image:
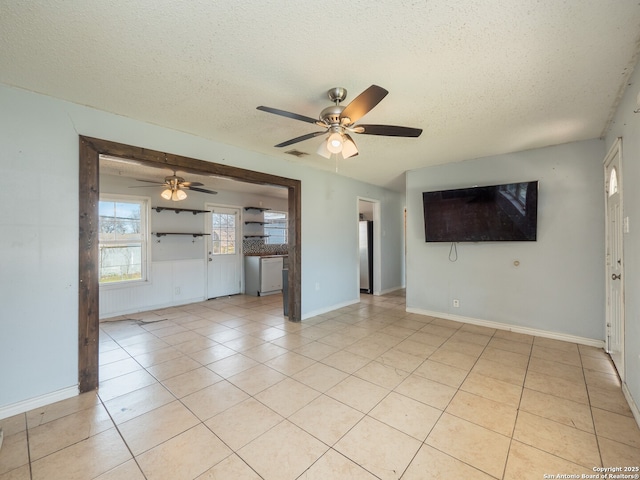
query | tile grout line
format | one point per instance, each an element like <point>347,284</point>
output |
<point>513,430</point>
<point>593,420</point>
<point>115,425</point>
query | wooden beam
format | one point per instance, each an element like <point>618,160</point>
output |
<point>295,254</point>
<point>88,314</point>
<point>88,287</point>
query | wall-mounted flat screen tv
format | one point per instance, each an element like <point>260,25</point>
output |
<point>496,213</point>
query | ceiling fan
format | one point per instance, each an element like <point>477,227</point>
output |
<point>340,122</point>
<point>175,187</point>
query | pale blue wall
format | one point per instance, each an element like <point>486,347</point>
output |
<point>559,283</point>
<point>39,241</point>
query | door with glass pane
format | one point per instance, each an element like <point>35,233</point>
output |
<point>614,260</point>
<point>224,261</point>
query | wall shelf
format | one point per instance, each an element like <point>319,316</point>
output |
<point>162,234</point>
<point>256,223</point>
<point>256,236</point>
<point>178,210</point>
<point>259,209</point>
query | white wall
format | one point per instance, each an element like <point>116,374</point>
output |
<point>626,124</point>
<point>39,241</point>
<point>559,283</point>
<point>178,268</point>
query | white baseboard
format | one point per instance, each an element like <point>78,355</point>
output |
<point>632,404</point>
<point>37,402</point>
<point>330,308</point>
<point>388,290</point>
<point>155,306</point>
<point>565,337</point>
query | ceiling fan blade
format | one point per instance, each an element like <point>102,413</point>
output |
<point>150,181</point>
<point>390,130</point>
<point>284,113</point>
<point>152,186</point>
<point>203,190</point>
<point>301,138</point>
<point>363,103</point>
<point>191,184</point>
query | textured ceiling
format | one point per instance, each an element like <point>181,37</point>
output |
<point>479,77</point>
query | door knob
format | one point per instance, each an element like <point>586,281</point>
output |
<point>615,277</point>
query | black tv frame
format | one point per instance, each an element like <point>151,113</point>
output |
<point>492,213</point>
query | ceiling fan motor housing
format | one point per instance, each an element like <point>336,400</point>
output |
<point>331,115</point>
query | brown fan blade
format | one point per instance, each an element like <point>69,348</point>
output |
<point>191,184</point>
<point>284,113</point>
<point>150,181</point>
<point>363,103</point>
<point>390,130</point>
<point>301,138</point>
<point>203,190</point>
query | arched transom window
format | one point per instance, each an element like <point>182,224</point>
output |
<point>613,182</point>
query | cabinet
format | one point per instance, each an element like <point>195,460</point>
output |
<point>262,275</point>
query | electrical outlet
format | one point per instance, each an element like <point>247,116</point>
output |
<point>456,303</point>
<point>177,290</point>
<point>317,286</point>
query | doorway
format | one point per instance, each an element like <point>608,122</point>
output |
<point>90,150</point>
<point>614,278</point>
<point>224,255</point>
<point>369,253</point>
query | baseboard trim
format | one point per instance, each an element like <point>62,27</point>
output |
<point>157,306</point>
<point>389,290</point>
<point>330,308</point>
<point>37,402</point>
<point>632,404</point>
<point>565,337</point>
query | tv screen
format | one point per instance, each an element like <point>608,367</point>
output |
<point>495,213</point>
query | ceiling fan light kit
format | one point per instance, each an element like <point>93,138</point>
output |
<point>334,142</point>
<point>176,195</point>
<point>166,194</point>
<point>340,121</point>
<point>349,148</point>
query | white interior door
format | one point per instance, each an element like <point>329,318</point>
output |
<point>224,272</point>
<point>614,260</point>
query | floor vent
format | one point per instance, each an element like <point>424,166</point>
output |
<point>297,153</point>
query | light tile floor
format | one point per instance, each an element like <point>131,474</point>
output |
<point>228,389</point>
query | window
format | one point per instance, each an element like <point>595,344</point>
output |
<point>613,182</point>
<point>276,227</point>
<point>223,233</point>
<point>122,240</point>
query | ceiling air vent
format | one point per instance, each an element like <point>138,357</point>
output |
<point>297,153</point>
